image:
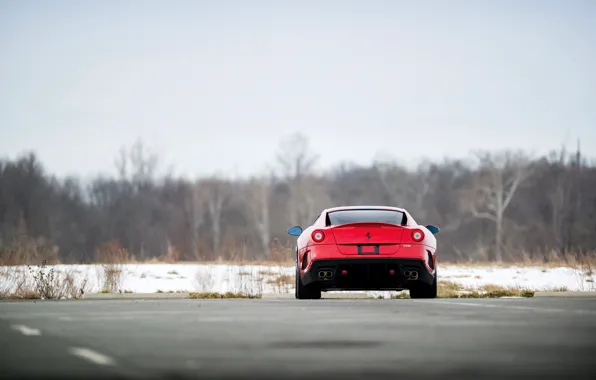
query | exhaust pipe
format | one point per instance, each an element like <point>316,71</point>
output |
<point>325,274</point>
<point>411,274</point>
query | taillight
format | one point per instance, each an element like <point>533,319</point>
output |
<point>417,235</point>
<point>318,236</point>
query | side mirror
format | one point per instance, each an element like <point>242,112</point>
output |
<point>295,231</point>
<point>433,229</point>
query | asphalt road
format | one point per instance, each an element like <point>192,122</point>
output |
<point>288,339</point>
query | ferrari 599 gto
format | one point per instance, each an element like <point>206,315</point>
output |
<point>365,248</point>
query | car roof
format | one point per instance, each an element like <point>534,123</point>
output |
<point>342,208</point>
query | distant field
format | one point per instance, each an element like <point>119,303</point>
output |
<point>270,278</point>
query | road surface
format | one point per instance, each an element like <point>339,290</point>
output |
<point>291,339</point>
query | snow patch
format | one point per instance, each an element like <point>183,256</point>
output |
<point>151,278</point>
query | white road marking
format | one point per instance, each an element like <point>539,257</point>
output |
<point>92,356</point>
<point>514,307</point>
<point>28,331</point>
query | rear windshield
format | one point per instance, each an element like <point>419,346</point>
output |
<point>336,218</point>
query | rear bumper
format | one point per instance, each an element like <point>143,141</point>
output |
<point>366,274</point>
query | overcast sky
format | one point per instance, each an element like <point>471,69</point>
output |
<point>215,85</point>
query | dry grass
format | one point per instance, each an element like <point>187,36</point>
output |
<point>204,280</point>
<point>172,291</point>
<point>399,295</point>
<point>112,252</point>
<point>171,255</point>
<point>43,282</point>
<point>14,284</point>
<point>247,280</point>
<point>226,295</point>
<point>496,291</point>
<point>28,251</point>
<point>448,289</point>
<point>110,274</point>
<point>230,255</point>
<point>282,283</point>
<point>266,263</point>
<point>51,285</point>
<point>547,259</point>
<point>263,263</point>
<point>585,276</point>
<point>281,280</point>
<point>283,256</point>
<point>280,254</point>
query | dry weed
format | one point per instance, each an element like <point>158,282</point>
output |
<point>43,283</point>
<point>233,252</point>
<point>204,281</point>
<point>448,289</point>
<point>243,283</point>
<point>267,272</point>
<point>280,254</point>
<point>584,272</point>
<point>226,295</point>
<point>110,274</point>
<point>111,277</point>
<point>112,252</point>
<point>281,282</point>
<point>399,295</point>
<point>171,255</point>
<point>550,258</point>
<point>13,281</point>
<point>25,250</point>
<point>246,280</point>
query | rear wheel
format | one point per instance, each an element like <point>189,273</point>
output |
<point>306,292</point>
<point>425,290</point>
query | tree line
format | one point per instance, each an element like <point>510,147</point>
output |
<point>503,206</point>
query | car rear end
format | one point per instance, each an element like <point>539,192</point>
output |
<point>368,249</point>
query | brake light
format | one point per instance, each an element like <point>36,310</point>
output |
<point>318,236</point>
<point>417,236</point>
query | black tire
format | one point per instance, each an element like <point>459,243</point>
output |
<point>424,290</point>
<point>306,292</point>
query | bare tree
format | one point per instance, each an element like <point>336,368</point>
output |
<point>559,195</point>
<point>137,164</point>
<point>499,177</point>
<point>194,214</point>
<point>257,200</point>
<point>484,208</point>
<point>419,186</point>
<point>217,192</point>
<point>297,162</point>
<point>394,182</point>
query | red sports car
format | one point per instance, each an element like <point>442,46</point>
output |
<point>365,248</point>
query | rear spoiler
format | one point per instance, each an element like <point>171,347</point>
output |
<point>404,221</point>
<point>367,224</point>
